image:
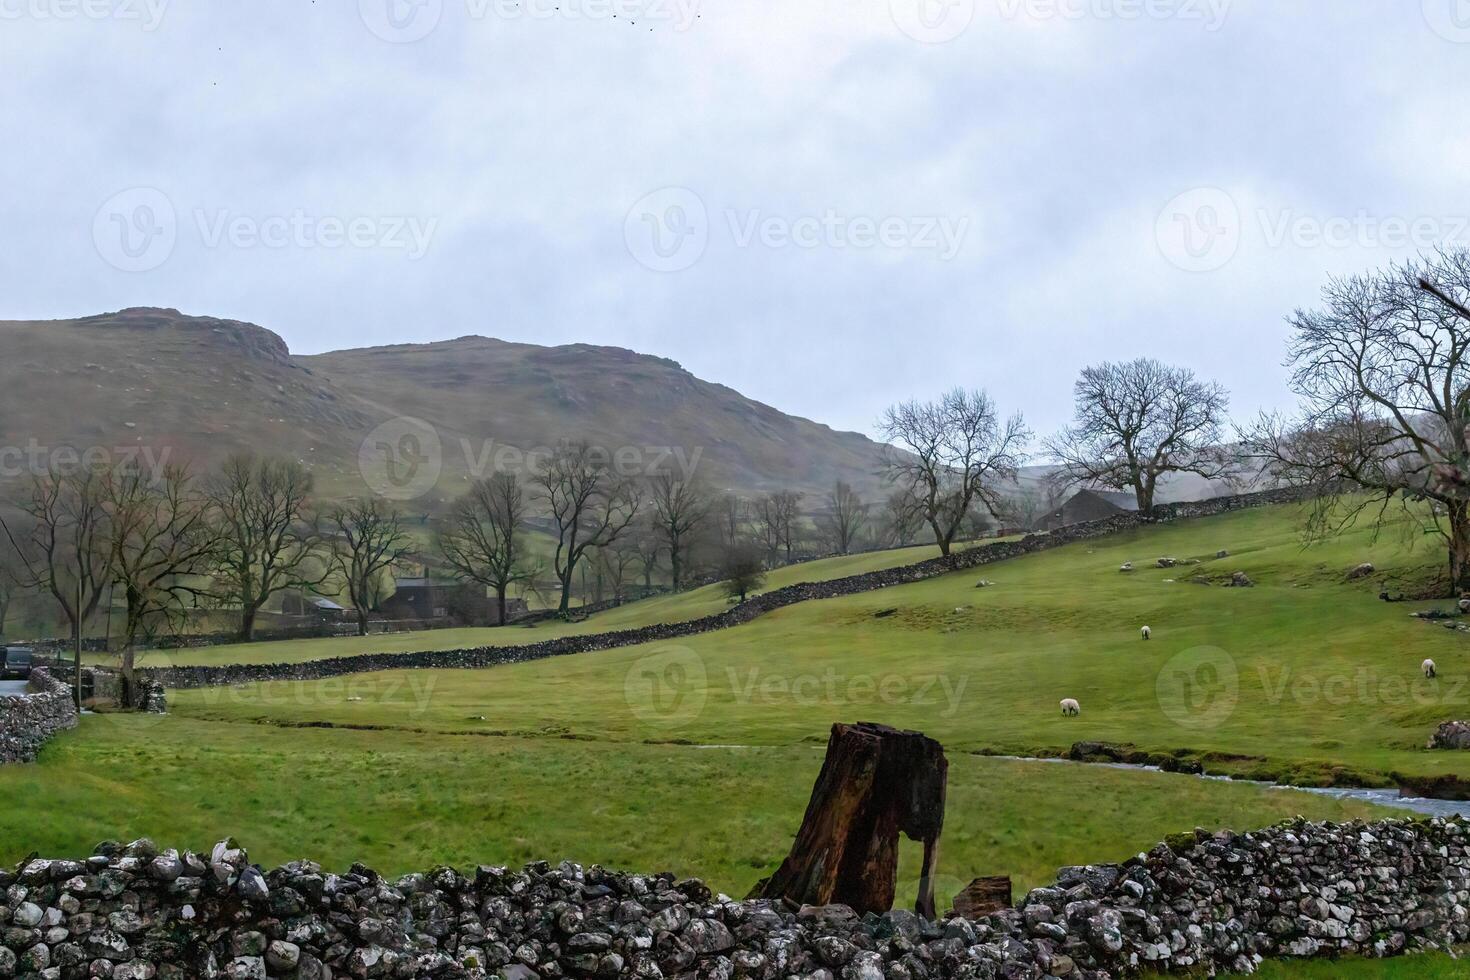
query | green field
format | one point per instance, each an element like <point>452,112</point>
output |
<point>1429,967</point>
<point>698,756</point>
<point>408,801</point>
<point>1304,676</point>
<point>679,607</point>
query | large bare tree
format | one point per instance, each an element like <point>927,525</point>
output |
<point>483,538</point>
<point>845,519</point>
<point>951,455</point>
<point>368,540</point>
<point>160,542</point>
<point>1137,421</point>
<point>60,541</point>
<point>267,542</point>
<point>1382,372</point>
<point>679,507</point>
<point>591,505</point>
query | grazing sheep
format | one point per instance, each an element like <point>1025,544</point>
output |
<point>1070,707</point>
<point>1429,669</point>
<point>1147,633</point>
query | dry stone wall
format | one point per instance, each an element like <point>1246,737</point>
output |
<point>1200,903</point>
<point>27,722</point>
<point>208,676</point>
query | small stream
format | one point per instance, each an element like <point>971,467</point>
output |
<point>1383,797</point>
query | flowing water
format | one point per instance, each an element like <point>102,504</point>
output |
<point>1383,797</point>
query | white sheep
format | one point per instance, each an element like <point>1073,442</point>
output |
<point>1070,707</point>
<point>1429,669</point>
<point>1147,633</point>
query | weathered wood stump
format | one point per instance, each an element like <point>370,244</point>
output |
<point>875,783</point>
<point>983,896</point>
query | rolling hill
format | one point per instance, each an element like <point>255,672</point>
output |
<point>202,387</point>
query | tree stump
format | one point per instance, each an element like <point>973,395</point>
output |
<point>875,783</point>
<point>983,896</point>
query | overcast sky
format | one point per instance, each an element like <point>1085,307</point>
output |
<point>829,205</point>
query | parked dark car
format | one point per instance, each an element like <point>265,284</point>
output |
<point>17,663</point>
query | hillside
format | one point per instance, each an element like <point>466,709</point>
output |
<point>203,387</point>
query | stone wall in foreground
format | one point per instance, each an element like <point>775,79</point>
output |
<point>27,722</point>
<point>985,554</point>
<point>1201,903</point>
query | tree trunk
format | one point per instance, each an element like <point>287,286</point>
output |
<point>1143,492</point>
<point>674,569</point>
<point>984,896</point>
<point>247,622</point>
<point>362,622</point>
<point>1459,546</point>
<point>875,783</point>
<point>566,593</point>
<point>940,538</point>
<point>500,602</point>
<point>129,658</point>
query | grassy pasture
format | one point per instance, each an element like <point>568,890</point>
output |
<point>408,801</point>
<point>699,756</point>
<point>683,606</point>
<point>1305,676</point>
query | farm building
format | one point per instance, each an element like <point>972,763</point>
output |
<point>1089,505</point>
<point>431,599</point>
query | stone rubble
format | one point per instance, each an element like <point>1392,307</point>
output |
<point>1201,902</point>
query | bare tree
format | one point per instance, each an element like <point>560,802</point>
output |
<point>778,519</point>
<point>590,505</point>
<point>680,506</point>
<point>1029,506</point>
<point>266,543</point>
<point>732,515</point>
<point>649,544</point>
<point>901,521</point>
<point>160,542</point>
<point>845,519</point>
<point>60,545</point>
<point>1382,371</point>
<point>1139,420</point>
<point>368,541</point>
<point>484,540</point>
<point>951,455</point>
<point>741,570</point>
<point>615,564</point>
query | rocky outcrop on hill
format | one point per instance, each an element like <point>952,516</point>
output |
<point>986,554</point>
<point>1200,902</point>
